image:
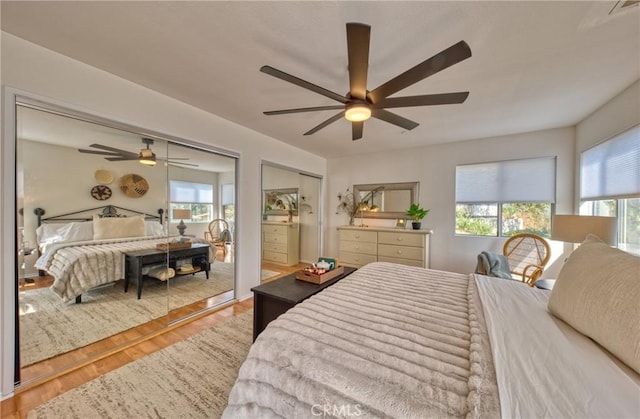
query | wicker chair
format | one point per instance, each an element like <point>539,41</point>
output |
<point>527,254</point>
<point>214,234</point>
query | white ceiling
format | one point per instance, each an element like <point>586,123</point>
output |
<point>535,64</point>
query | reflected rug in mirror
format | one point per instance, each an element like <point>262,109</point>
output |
<point>49,327</point>
<point>190,379</point>
<point>266,274</point>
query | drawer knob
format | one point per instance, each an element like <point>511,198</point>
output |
<point>399,239</point>
<point>357,236</point>
<point>399,252</point>
<point>357,247</point>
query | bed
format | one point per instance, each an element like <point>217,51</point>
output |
<point>399,341</point>
<point>85,249</point>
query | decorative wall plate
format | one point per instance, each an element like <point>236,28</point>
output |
<point>101,192</point>
<point>133,186</point>
<point>103,177</point>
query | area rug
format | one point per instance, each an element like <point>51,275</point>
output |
<point>266,274</point>
<point>49,327</point>
<point>190,379</point>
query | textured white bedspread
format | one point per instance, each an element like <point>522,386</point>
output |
<point>547,369</point>
<point>80,266</point>
<point>387,341</point>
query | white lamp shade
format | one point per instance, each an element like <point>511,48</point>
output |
<point>181,214</point>
<point>575,228</point>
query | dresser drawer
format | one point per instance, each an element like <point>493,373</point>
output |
<point>358,247</point>
<point>275,238</point>
<point>274,257</point>
<point>361,236</point>
<point>356,259</point>
<point>404,252</point>
<point>274,229</point>
<point>402,239</point>
<point>275,247</point>
<point>409,262</point>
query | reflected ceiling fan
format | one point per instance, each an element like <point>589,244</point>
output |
<point>145,156</point>
<point>360,104</point>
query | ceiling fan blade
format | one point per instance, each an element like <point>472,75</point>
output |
<point>298,110</point>
<point>358,37</point>
<point>121,158</point>
<point>101,153</point>
<point>424,100</point>
<point>356,130</point>
<point>104,147</point>
<point>331,120</point>
<point>179,164</point>
<point>394,119</point>
<point>302,83</point>
<point>444,59</point>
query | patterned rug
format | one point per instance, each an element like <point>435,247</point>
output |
<point>190,379</point>
<point>49,327</point>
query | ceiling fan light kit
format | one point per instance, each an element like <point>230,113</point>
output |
<point>360,104</point>
<point>147,156</point>
<point>357,112</point>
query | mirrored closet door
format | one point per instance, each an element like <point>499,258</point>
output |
<point>97,225</point>
<point>291,222</point>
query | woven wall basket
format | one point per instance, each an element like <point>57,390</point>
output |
<point>133,186</point>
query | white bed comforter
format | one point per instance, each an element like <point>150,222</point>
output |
<point>387,341</point>
<point>396,341</point>
<point>80,266</point>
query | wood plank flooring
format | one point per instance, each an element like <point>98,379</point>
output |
<point>30,397</point>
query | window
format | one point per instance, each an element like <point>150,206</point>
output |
<point>610,185</point>
<point>197,197</point>
<point>228,202</point>
<point>505,198</point>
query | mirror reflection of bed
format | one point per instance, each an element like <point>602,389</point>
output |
<point>55,333</point>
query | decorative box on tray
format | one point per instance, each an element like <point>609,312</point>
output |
<point>173,245</point>
<point>319,278</point>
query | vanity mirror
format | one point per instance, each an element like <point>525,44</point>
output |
<point>386,200</point>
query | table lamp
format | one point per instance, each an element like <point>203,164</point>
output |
<point>181,214</point>
<point>575,228</point>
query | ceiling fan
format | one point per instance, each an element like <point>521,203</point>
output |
<point>359,104</point>
<point>145,156</point>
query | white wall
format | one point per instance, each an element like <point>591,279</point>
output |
<point>619,114</point>
<point>434,167</point>
<point>50,76</point>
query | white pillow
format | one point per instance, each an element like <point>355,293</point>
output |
<point>64,233</point>
<point>598,293</point>
<point>154,228</point>
<point>115,228</point>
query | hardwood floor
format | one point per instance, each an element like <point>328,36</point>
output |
<point>78,372</point>
<point>26,399</point>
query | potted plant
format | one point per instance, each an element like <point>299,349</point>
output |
<point>417,213</point>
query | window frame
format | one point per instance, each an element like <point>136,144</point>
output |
<point>500,219</point>
<point>189,205</point>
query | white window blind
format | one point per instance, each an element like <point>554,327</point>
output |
<point>201,193</point>
<point>527,180</point>
<point>611,170</point>
<point>228,194</point>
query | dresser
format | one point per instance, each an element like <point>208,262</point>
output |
<point>280,243</point>
<point>359,246</point>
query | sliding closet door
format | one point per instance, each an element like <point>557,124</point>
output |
<point>201,211</point>
<point>70,168</point>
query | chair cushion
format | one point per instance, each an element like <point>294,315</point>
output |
<point>598,292</point>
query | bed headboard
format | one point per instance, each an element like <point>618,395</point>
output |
<point>107,211</point>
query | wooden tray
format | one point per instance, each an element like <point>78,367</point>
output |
<point>319,279</point>
<point>173,246</point>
